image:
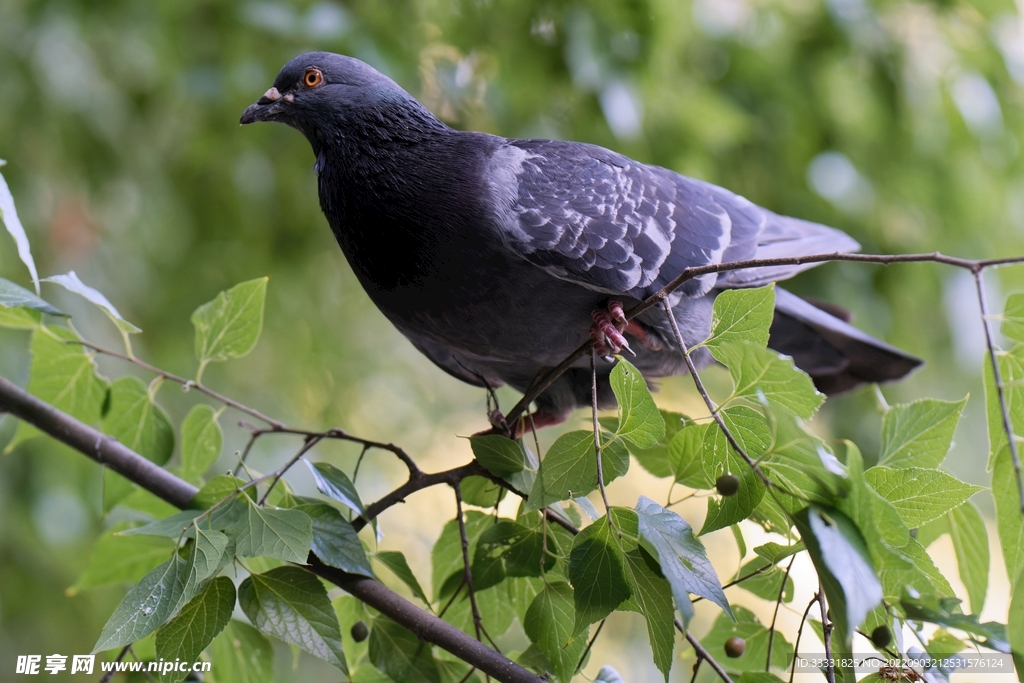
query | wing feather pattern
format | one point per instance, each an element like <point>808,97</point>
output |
<point>599,219</point>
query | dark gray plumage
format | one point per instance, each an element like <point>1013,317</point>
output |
<point>490,254</point>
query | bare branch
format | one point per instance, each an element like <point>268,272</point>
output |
<point>701,652</point>
<point>597,437</point>
<point>775,615</point>
<point>1004,409</point>
<point>826,628</point>
<point>306,446</point>
<point>799,632</point>
<point>187,384</point>
<point>546,378</point>
<point>467,568</point>
<point>179,493</point>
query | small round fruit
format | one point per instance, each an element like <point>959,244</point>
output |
<point>727,484</point>
<point>881,637</point>
<point>360,631</point>
<point>734,647</point>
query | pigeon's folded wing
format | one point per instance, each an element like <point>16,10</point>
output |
<point>609,223</point>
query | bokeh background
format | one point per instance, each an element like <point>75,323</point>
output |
<point>899,122</point>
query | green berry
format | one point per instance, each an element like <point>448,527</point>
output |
<point>881,637</point>
<point>734,647</point>
<point>360,631</point>
<point>727,484</point>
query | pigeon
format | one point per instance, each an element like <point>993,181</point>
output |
<point>497,257</point>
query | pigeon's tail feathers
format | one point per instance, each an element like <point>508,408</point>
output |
<point>836,355</point>
<point>785,237</point>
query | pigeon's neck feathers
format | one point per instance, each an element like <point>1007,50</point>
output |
<point>381,118</point>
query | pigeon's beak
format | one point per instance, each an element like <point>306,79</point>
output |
<point>266,108</point>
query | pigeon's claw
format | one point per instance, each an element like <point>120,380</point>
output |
<point>608,339</point>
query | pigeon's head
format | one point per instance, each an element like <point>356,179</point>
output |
<point>321,93</point>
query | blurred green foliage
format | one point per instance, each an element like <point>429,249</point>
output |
<point>896,121</point>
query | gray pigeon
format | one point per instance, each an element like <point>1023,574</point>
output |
<point>497,257</point>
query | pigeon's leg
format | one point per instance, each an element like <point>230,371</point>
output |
<point>646,338</point>
<point>608,338</point>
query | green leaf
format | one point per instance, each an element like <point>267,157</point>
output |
<point>802,465</point>
<point>13,296</point>
<point>201,441</point>
<point>569,469</point>
<point>446,556</point>
<point>549,624</point>
<point>482,492</point>
<point>508,548</point>
<point>685,456</point>
<point>765,580</point>
<point>749,628</point>
<point>71,283</point>
<point>919,494</point>
<point>945,611</point>
<point>919,434</point>
<point>764,377</point>
<point>335,541</point>
<point>120,559</point>
<point>219,488</point>
<point>1013,318</point>
<point>9,215</point>
<point>20,318</point>
<point>1015,626</point>
<point>640,422</point>
<point>750,429</point>
<point>243,655</point>
<point>292,604</point>
<point>657,459</point>
<point>282,534</point>
<point>210,552</point>
<point>400,654</point>
<point>230,325</point>
<point>335,484</point>
<point>146,606</point>
<point>63,375</point>
<point>137,422</point>
<point>500,456</point>
<point>596,571</point>
<point>845,570</point>
<point>495,607</point>
<point>396,562</point>
<point>682,558</point>
<point>741,315</point>
<point>350,611</point>
<point>186,636</point>
<point>969,534</point>
<point>176,526</point>
<point>1004,478</point>
<point>652,598</point>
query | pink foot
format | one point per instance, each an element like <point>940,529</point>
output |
<point>607,328</point>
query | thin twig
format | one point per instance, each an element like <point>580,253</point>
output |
<point>545,379</point>
<point>590,644</point>
<point>597,438</point>
<point>308,444</point>
<point>775,616</point>
<point>799,632</point>
<point>186,383</point>
<point>467,569</point>
<point>1000,389</point>
<point>826,630</point>
<point>715,413</point>
<point>701,652</point>
<point>120,655</point>
<point>696,668</point>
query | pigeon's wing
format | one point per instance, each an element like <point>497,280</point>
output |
<point>606,222</point>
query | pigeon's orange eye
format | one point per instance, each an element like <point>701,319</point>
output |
<point>313,78</point>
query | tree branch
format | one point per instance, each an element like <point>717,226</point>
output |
<point>545,379</point>
<point>161,483</point>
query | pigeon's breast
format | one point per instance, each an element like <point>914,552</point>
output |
<point>420,234</point>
